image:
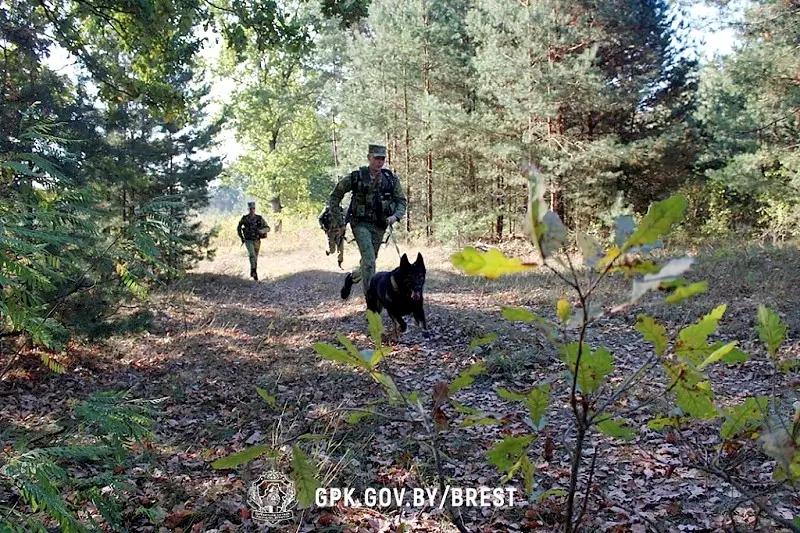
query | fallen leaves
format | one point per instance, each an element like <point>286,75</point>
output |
<point>246,367</point>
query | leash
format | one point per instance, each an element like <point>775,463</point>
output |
<point>391,236</point>
<point>386,242</point>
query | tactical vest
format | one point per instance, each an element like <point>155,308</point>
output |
<point>250,227</point>
<point>371,206</point>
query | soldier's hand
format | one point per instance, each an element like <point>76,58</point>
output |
<point>340,231</point>
<point>391,220</point>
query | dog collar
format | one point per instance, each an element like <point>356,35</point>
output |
<point>395,286</point>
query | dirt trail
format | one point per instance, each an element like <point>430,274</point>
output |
<point>220,335</point>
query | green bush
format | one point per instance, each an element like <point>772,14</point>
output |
<point>62,249</point>
<point>757,429</point>
<point>80,463</point>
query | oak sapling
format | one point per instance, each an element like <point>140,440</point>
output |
<point>684,357</point>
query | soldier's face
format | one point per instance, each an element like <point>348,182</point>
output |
<point>376,162</point>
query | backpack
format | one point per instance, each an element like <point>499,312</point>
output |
<point>382,202</point>
<point>326,221</point>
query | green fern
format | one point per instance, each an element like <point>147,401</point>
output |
<point>38,479</point>
<point>14,521</point>
<point>106,423</point>
<point>51,236</point>
<point>78,453</point>
<point>107,503</point>
<point>52,364</point>
<point>55,232</point>
<point>117,419</point>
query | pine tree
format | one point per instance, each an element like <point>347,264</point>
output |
<point>749,114</point>
<point>562,85</point>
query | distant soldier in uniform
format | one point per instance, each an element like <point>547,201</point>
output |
<point>377,202</point>
<point>251,229</point>
<point>335,238</point>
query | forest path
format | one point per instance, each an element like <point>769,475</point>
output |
<point>218,335</point>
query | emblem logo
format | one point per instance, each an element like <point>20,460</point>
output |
<point>272,495</point>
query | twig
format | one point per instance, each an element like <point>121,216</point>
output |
<point>458,521</point>
<point>751,497</point>
<point>380,415</point>
<point>561,276</point>
<point>220,8</point>
<point>603,274</point>
<point>791,114</point>
<point>642,405</point>
<point>640,372</point>
<point>73,44</point>
<point>11,510</point>
<point>733,520</point>
<point>433,435</point>
<point>573,481</point>
<point>267,336</point>
<point>581,418</point>
<point>588,488</point>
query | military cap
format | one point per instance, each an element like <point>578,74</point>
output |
<point>377,150</point>
<point>251,205</point>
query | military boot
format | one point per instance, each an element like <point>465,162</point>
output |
<point>348,286</point>
<point>254,274</point>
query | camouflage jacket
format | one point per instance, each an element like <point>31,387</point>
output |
<point>248,227</point>
<point>372,200</point>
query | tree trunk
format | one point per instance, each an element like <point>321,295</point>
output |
<point>429,187</point>
<point>472,180</point>
<point>410,206</point>
<point>428,138</point>
<point>171,255</point>
<point>335,142</point>
<point>394,149</point>
<point>557,196</point>
<point>500,203</point>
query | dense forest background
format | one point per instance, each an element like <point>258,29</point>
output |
<point>612,100</point>
<point>127,127</point>
<point>109,149</point>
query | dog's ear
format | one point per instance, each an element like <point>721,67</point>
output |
<point>404,261</point>
<point>419,262</point>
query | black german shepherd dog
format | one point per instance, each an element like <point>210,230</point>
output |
<point>399,292</point>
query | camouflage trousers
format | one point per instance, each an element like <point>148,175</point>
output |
<point>253,248</point>
<point>369,238</point>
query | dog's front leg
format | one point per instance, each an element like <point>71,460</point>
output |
<point>398,320</point>
<point>393,336</point>
<point>419,317</point>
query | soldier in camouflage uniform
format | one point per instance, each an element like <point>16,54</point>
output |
<point>377,202</point>
<point>251,229</point>
<point>331,228</point>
